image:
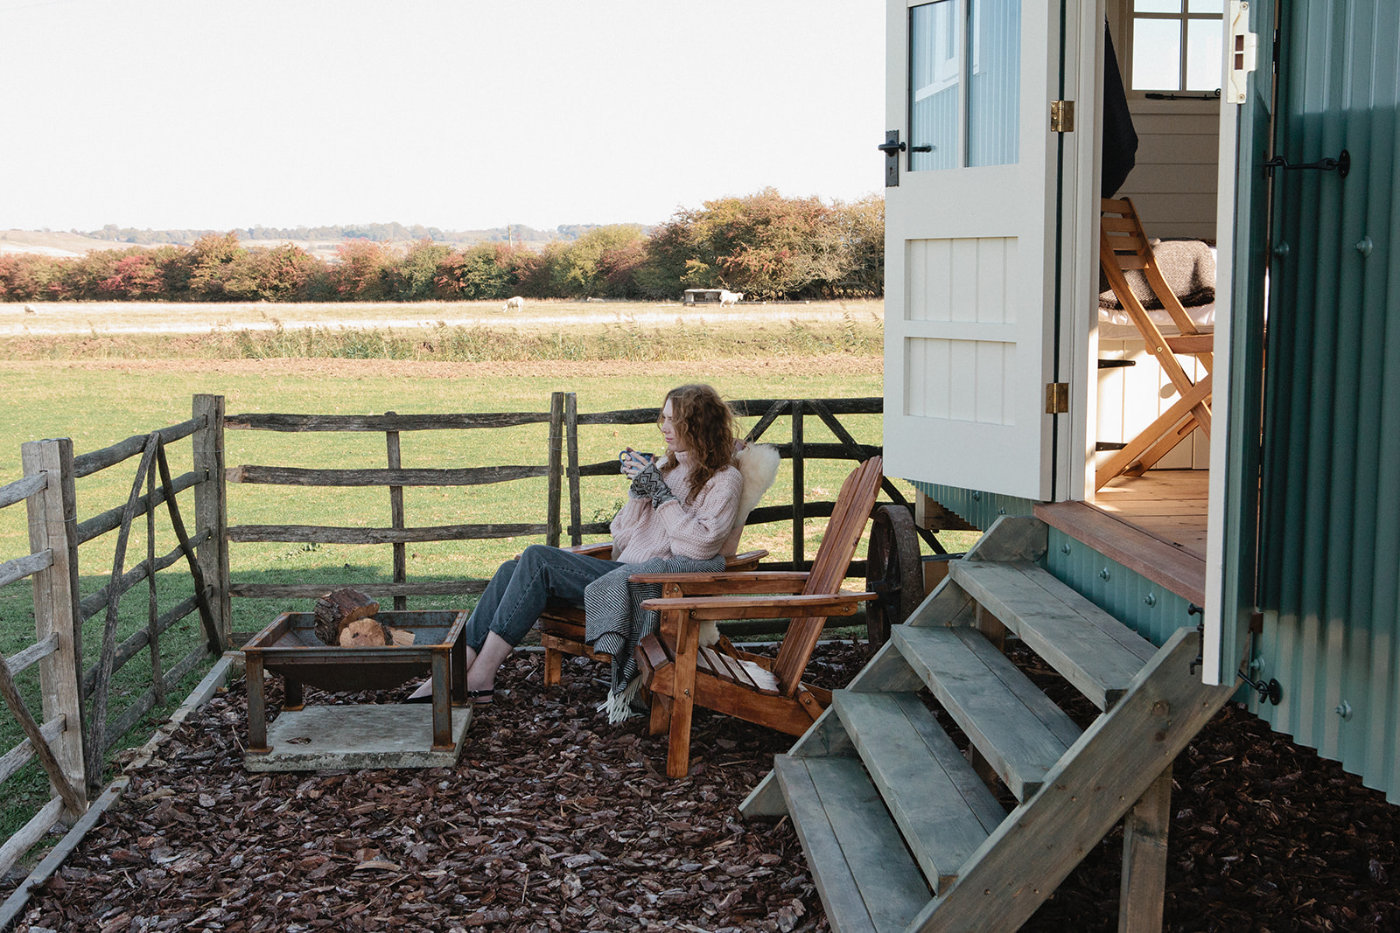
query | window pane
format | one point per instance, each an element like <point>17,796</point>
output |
<point>935,67</point>
<point>1204,62</point>
<point>1207,6</point>
<point>1157,55</point>
<point>1157,6</point>
<point>993,84</point>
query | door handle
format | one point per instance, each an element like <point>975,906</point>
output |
<point>892,147</point>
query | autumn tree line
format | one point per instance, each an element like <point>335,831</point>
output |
<point>764,245</point>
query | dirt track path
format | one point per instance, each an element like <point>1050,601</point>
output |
<point>36,319</point>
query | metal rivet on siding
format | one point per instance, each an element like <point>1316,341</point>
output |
<point>1344,709</point>
<point>1364,246</point>
<point>1281,249</point>
<point>1256,665</point>
<point>976,497</point>
<point>1001,511</point>
<point>1150,599</point>
<point>1103,574</point>
<point>1064,548</point>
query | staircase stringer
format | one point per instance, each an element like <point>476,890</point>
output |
<point>1099,779</point>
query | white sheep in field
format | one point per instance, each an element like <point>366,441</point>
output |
<point>515,304</point>
<point>726,297</point>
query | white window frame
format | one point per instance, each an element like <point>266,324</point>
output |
<point>1130,16</point>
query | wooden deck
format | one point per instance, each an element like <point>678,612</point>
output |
<point>1153,524</point>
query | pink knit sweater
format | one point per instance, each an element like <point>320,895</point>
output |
<point>678,528</point>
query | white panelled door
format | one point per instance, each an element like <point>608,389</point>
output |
<point>970,243</point>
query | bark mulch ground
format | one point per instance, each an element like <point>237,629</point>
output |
<point>554,820</point>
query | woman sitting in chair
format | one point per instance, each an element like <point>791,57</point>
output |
<point>679,511</point>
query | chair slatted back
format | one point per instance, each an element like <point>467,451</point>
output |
<point>1124,246</point>
<point>843,532</point>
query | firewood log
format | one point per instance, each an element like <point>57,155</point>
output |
<point>398,636</point>
<point>365,633</point>
<point>337,609</point>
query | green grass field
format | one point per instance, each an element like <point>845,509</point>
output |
<point>97,402</point>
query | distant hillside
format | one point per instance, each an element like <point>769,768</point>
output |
<point>316,240</point>
<point>52,243</point>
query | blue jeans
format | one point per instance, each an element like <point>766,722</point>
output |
<point>519,590</point>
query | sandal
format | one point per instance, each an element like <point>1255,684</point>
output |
<point>481,697</point>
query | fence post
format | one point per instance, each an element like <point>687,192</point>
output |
<point>556,467</point>
<point>799,483</point>
<point>396,514</point>
<point>53,520</point>
<point>575,500</point>
<point>211,510</point>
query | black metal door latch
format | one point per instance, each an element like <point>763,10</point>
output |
<point>1341,165</point>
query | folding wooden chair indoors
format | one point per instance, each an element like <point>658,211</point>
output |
<point>1123,246</point>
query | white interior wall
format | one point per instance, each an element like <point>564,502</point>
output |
<point>1132,397</point>
<point>1174,181</point>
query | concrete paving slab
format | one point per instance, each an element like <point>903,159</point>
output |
<point>328,738</point>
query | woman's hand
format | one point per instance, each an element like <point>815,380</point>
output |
<point>650,484</point>
<point>633,462</point>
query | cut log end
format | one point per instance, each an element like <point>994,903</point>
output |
<point>337,609</point>
<point>365,633</point>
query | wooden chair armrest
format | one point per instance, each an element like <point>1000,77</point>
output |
<point>602,550</point>
<point>721,582</point>
<point>718,608</point>
<point>746,560</point>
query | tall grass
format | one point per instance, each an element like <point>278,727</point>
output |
<point>453,343</point>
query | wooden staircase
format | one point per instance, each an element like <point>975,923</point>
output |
<point>903,831</point>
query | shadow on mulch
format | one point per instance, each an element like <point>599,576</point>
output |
<point>554,820</point>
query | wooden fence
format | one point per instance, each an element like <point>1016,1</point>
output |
<point>558,462</point>
<point>394,478</point>
<point>75,730</point>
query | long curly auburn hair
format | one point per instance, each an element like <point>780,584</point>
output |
<point>705,425</point>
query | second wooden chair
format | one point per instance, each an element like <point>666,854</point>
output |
<point>681,673</point>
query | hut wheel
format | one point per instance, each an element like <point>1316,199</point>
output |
<point>894,571</point>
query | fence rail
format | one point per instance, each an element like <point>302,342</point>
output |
<point>395,478</point>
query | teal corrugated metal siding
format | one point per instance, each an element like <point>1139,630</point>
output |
<point>1330,548</point>
<point>1144,606</point>
<point>975,507</point>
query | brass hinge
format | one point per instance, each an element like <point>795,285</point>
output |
<point>1056,398</point>
<point>1062,116</point>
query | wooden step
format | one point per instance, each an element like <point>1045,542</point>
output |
<point>940,804</point>
<point>1090,648</point>
<point>865,877</point>
<point>1017,729</point>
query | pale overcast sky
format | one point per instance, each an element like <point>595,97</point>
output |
<point>458,114</point>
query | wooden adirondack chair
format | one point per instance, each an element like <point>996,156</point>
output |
<point>562,625</point>
<point>1123,245</point>
<point>768,691</point>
